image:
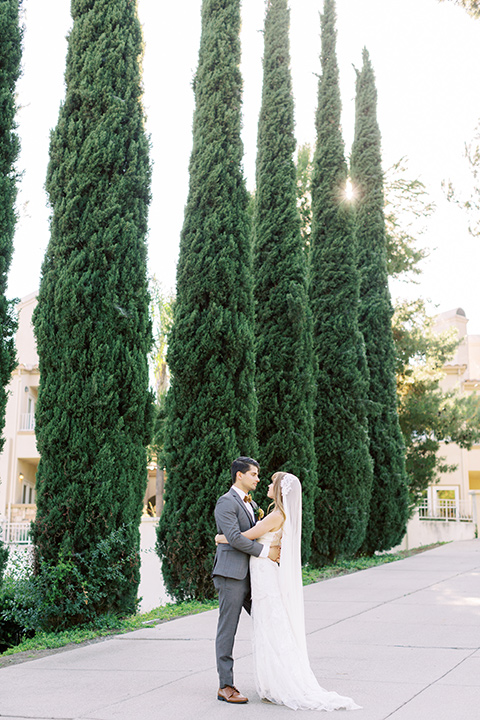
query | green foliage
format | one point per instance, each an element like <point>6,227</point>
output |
<point>406,208</point>
<point>73,591</point>
<point>304,199</point>
<point>161,310</point>
<point>12,633</point>
<point>471,6</point>
<point>389,500</point>
<point>4,553</point>
<point>211,402</point>
<point>92,323</point>
<point>78,588</point>
<point>428,415</point>
<point>471,204</point>
<point>17,575</point>
<point>108,625</point>
<point>9,631</point>
<point>284,372</point>
<point>345,567</point>
<point>341,440</point>
<point>10,57</point>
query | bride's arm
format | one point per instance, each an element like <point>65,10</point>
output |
<point>273,521</point>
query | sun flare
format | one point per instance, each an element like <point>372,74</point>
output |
<point>349,190</point>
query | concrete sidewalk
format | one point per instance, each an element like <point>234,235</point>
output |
<point>402,639</point>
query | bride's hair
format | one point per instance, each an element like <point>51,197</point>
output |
<point>277,503</point>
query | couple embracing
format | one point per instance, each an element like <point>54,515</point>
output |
<point>258,567</point>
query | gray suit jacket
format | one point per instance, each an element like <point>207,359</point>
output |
<point>233,518</point>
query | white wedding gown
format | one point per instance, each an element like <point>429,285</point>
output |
<point>281,666</point>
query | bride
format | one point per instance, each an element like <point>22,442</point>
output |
<point>281,666</point>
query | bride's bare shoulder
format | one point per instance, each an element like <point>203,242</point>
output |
<point>279,519</point>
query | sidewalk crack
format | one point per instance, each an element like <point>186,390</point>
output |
<point>427,687</point>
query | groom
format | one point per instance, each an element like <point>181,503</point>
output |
<point>234,514</point>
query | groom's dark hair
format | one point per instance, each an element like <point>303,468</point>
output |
<point>242,464</point>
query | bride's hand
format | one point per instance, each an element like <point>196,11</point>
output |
<point>274,553</point>
<point>220,539</point>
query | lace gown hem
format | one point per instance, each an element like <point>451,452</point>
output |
<point>281,667</point>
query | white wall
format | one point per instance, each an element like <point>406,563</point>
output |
<point>427,532</point>
<point>151,589</point>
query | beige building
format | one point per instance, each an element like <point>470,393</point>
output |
<point>451,510</point>
<point>463,374</point>
<point>19,459</point>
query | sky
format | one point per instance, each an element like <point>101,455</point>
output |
<point>426,58</point>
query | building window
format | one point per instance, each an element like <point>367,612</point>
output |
<point>28,418</point>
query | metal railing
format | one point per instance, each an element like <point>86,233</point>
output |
<point>27,421</point>
<point>458,510</point>
<point>15,533</point>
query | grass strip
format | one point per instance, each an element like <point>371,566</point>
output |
<point>345,567</point>
<point>112,625</point>
<point>109,625</point>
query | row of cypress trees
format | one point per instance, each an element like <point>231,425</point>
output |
<point>265,347</point>
<point>324,372</point>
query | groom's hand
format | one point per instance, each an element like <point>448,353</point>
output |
<point>274,553</point>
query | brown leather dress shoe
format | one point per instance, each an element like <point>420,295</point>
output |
<point>230,694</point>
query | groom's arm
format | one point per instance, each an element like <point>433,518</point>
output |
<point>227,523</point>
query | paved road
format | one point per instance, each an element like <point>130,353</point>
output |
<point>402,639</point>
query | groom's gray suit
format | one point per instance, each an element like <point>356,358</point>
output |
<point>231,576</point>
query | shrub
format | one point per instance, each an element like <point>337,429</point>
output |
<point>74,591</point>
<point>3,560</point>
<point>16,568</point>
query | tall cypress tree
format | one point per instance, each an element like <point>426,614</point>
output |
<point>389,501</point>
<point>92,321</point>
<point>211,402</point>
<point>10,56</point>
<point>341,438</point>
<point>284,372</point>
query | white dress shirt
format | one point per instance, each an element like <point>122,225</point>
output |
<point>242,494</point>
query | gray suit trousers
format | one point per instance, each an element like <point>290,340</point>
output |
<point>233,594</point>
<point>231,576</point>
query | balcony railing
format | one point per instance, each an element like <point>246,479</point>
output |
<point>456,510</point>
<point>15,533</point>
<point>27,421</point>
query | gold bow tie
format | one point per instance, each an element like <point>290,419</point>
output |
<point>247,498</point>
